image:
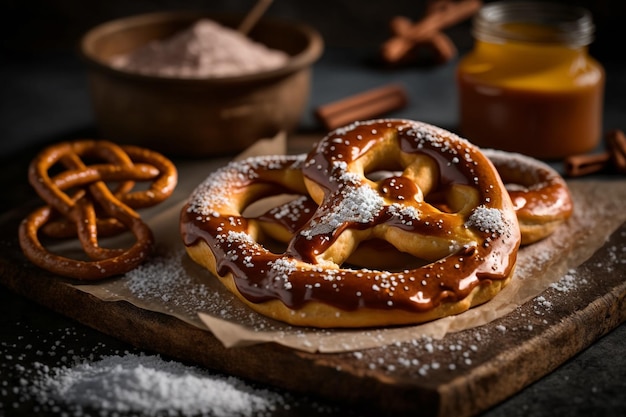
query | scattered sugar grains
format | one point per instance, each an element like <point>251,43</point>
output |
<point>151,386</point>
<point>424,355</point>
<point>163,278</point>
<point>568,282</point>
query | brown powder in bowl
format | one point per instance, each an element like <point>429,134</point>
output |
<point>205,50</point>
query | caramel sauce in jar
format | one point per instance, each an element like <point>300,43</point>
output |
<point>530,85</point>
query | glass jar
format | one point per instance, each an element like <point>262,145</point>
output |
<point>529,85</point>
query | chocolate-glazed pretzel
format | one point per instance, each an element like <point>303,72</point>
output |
<point>93,209</point>
<point>446,205</point>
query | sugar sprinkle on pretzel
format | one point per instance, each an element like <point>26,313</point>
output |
<point>540,195</point>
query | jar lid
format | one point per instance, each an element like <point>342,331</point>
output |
<point>550,23</point>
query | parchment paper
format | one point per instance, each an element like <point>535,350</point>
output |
<point>171,283</point>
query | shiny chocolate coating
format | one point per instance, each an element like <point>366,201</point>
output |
<point>480,242</point>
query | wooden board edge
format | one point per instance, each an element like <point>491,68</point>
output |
<point>494,381</point>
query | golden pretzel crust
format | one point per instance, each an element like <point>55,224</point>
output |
<point>540,195</point>
<point>443,203</point>
<point>93,209</point>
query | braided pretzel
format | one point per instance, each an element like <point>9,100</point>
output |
<point>94,209</point>
<point>540,195</point>
<point>448,208</point>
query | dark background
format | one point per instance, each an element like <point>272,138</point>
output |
<point>43,88</point>
<point>44,25</point>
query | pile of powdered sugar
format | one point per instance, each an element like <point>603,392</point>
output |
<point>205,50</point>
<point>151,386</point>
<point>66,372</point>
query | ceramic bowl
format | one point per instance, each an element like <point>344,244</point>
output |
<point>197,116</point>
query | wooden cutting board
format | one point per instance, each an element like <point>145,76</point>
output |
<point>461,375</point>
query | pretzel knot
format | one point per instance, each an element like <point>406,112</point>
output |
<point>419,189</point>
<point>92,209</point>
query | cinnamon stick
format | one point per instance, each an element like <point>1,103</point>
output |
<point>586,164</point>
<point>443,47</point>
<point>614,159</point>
<point>439,15</point>
<point>399,48</point>
<point>442,14</point>
<point>366,105</point>
<point>616,142</point>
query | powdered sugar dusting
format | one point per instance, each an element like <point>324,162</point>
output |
<point>408,214</point>
<point>487,220</point>
<point>163,278</point>
<point>359,204</point>
<point>215,190</point>
<point>169,282</point>
<point>568,282</point>
<point>282,267</point>
<point>293,210</point>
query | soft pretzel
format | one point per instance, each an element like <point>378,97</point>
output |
<point>93,210</point>
<point>447,207</point>
<point>540,195</point>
